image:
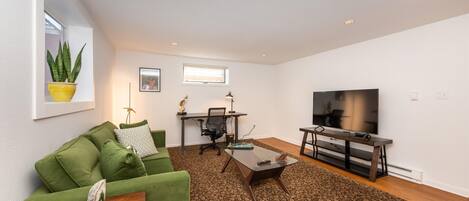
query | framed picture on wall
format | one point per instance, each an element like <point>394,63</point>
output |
<point>149,79</point>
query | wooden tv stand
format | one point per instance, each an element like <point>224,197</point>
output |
<point>344,154</point>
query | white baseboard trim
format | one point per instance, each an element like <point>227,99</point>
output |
<point>293,141</point>
<point>449,188</point>
<point>442,186</point>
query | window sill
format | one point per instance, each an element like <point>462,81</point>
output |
<point>53,109</point>
<point>205,84</point>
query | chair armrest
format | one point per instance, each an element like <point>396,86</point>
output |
<point>159,138</point>
<point>162,187</point>
<point>201,124</point>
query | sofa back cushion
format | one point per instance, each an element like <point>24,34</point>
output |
<point>100,134</point>
<point>138,124</point>
<point>108,125</point>
<point>51,172</point>
<point>80,161</point>
<point>119,163</point>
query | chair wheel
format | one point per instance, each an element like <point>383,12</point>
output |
<point>200,152</point>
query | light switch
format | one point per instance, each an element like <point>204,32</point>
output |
<point>442,95</point>
<point>414,96</point>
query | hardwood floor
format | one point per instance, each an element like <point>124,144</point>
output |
<point>393,185</point>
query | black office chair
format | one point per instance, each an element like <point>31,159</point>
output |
<point>215,127</point>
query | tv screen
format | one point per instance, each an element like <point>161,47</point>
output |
<point>351,110</point>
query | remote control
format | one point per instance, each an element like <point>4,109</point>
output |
<point>264,162</point>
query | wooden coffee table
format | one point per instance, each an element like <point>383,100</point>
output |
<point>138,196</point>
<point>246,161</point>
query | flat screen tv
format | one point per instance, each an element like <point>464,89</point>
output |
<point>350,110</point>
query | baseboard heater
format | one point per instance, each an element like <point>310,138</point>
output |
<point>405,173</point>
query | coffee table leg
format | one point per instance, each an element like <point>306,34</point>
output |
<point>247,176</point>
<point>280,183</point>
<point>248,186</point>
<point>226,164</point>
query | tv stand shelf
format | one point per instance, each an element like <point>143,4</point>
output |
<point>344,155</point>
<point>357,153</point>
<point>355,167</point>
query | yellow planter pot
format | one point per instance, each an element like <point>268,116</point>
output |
<point>61,91</point>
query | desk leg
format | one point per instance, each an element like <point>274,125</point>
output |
<point>182,133</point>
<point>374,163</point>
<point>236,129</point>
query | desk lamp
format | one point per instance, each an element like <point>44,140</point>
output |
<point>229,96</point>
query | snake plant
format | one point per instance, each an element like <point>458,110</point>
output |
<point>61,68</point>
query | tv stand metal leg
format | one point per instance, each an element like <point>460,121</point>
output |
<point>303,143</point>
<point>347,154</point>
<point>381,157</point>
<point>374,163</point>
<point>315,146</point>
<point>385,160</point>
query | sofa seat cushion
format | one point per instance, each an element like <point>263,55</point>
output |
<point>158,163</point>
<point>100,134</point>
<point>81,162</point>
<point>51,172</point>
<point>119,163</point>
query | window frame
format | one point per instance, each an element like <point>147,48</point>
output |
<point>56,21</point>
<point>225,74</point>
<point>76,34</point>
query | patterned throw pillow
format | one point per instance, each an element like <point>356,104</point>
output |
<point>139,138</point>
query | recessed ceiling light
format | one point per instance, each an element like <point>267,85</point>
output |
<point>349,21</point>
<point>174,44</point>
<point>264,55</point>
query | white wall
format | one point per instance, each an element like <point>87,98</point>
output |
<point>22,140</point>
<point>251,84</point>
<point>430,134</point>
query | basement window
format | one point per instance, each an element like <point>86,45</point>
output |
<point>53,25</point>
<point>54,35</point>
<point>205,74</point>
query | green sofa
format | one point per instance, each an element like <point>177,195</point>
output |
<point>161,184</point>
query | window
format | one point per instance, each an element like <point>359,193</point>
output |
<point>48,32</point>
<point>205,74</point>
<point>54,34</point>
<point>53,27</point>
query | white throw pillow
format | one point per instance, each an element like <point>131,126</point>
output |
<point>139,138</point>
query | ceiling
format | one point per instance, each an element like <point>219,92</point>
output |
<point>259,31</point>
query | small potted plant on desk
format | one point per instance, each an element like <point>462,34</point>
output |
<point>63,86</point>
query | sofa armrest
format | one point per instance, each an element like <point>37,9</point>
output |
<point>162,187</point>
<point>159,138</point>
